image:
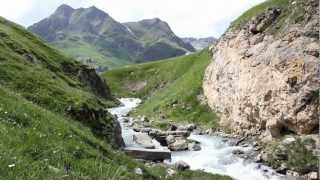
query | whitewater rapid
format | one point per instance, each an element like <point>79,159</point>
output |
<point>214,157</point>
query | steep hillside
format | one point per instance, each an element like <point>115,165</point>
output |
<point>171,89</point>
<point>95,38</point>
<point>52,109</point>
<point>264,81</point>
<point>200,43</point>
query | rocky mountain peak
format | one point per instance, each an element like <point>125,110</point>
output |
<point>64,10</point>
<point>93,12</point>
<point>155,22</point>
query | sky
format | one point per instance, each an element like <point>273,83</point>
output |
<point>187,18</point>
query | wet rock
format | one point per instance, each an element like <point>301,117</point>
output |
<point>292,174</point>
<point>159,135</point>
<point>198,131</point>
<point>142,130</point>
<point>125,119</point>
<point>239,141</point>
<point>144,140</point>
<point>258,158</point>
<point>209,132</point>
<point>191,127</point>
<point>194,146</point>
<point>180,144</point>
<point>170,139</point>
<point>181,128</point>
<point>181,166</point>
<point>178,133</point>
<point>282,169</point>
<point>172,127</point>
<point>237,152</point>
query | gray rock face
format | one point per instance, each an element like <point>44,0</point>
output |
<point>262,80</point>
<point>98,85</point>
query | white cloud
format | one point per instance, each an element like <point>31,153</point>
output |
<point>196,18</point>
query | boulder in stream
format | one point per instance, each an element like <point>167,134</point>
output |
<point>180,144</point>
<point>144,140</point>
<point>194,146</point>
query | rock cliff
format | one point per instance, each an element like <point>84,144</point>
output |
<point>265,73</point>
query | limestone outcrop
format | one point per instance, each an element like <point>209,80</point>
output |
<point>265,75</point>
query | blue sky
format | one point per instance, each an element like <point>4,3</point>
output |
<point>187,18</point>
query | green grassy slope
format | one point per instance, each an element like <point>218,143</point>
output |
<point>82,49</point>
<point>47,78</point>
<point>36,143</point>
<point>53,123</point>
<point>169,88</point>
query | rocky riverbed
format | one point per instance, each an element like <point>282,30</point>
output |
<point>191,147</point>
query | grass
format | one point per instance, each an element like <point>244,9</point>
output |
<point>169,89</point>
<point>83,49</point>
<point>45,77</point>
<point>39,144</point>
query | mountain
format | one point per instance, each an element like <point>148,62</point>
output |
<point>171,89</point>
<point>162,42</point>
<point>200,43</point>
<point>94,37</point>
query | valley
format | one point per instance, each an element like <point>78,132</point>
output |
<point>84,96</point>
